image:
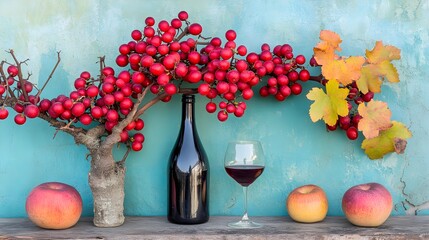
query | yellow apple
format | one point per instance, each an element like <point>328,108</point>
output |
<point>307,204</point>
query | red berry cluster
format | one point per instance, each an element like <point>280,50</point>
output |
<point>26,104</point>
<point>164,57</point>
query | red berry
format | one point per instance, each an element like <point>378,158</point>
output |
<point>31,111</point>
<point>149,21</point>
<point>78,109</point>
<point>139,124</point>
<point>136,146</point>
<point>20,119</point>
<point>300,59</point>
<point>183,15</point>
<point>195,29</point>
<point>96,112</point>
<point>211,107</point>
<point>4,113</point>
<point>92,91</point>
<point>112,116</point>
<point>296,88</point>
<point>352,133</point>
<point>230,35</point>
<point>79,83</point>
<point>122,60</point>
<point>148,32</point>
<point>368,96</point>
<point>170,89</point>
<point>242,50</point>
<point>331,128</point>
<point>304,75</point>
<point>222,116</point>
<point>124,49</point>
<point>85,119</point>
<point>124,136</point>
<point>136,35</point>
<point>138,137</point>
<point>13,71</point>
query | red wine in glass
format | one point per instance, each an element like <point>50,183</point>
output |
<point>244,174</point>
<point>244,162</point>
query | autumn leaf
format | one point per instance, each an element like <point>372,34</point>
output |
<point>324,51</point>
<point>345,71</point>
<point>387,70</point>
<point>369,81</point>
<point>329,105</point>
<point>375,118</point>
<point>389,140</point>
<point>372,74</point>
<point>382,53</point>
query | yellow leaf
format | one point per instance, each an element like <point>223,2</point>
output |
<point>371,75</point>
<point>324,51</point>
<point>345,71</point>
<point>389,140</point>
<point>381,53</point>
<point>369,80</point>
<point>328,106</point>
<point>387,70</point>
<point>375,118</point>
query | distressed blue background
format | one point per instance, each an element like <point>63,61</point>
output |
<point>298,151</point>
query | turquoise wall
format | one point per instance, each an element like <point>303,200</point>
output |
<point>298,151</point>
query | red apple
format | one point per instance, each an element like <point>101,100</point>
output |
<point>367,205</point>
<point>54,205</point>
<point>307,204</point>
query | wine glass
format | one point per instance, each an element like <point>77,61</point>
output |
<point>244,162</point>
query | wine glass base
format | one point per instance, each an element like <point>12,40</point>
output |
<point>244,224</point>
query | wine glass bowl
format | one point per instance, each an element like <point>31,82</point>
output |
<point>244,162</point>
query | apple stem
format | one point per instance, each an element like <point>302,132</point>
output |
<point>245,217</point>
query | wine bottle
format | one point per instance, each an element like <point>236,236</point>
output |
<point>188,201</point>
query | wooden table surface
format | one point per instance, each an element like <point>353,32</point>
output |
<point>403,227</point>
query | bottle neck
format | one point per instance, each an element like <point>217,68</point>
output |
<point>188,109</point>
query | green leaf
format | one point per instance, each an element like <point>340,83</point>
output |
<point>389,140</point>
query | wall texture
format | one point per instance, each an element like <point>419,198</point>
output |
<point>298,151</point>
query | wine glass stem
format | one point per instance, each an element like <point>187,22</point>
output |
<point>245,217</point>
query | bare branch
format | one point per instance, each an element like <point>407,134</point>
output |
<point>114,137</point>
<point>161,96</point>
<point>122,162</point>
<point>20,78</point>
<point>3,75</point>
<point>184,33</point>
<point>50,75</point>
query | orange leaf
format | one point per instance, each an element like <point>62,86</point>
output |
<point>332,38</point>
<point>324,51</point>
<point>344,71</point>
<point>375,118</point>
<point>381,53</point>
<point>371,74</point>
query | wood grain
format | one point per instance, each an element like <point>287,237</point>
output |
<point>403,227</point>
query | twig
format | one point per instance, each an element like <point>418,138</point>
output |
<point>3,75</point>
<point>184,33</point>
<point>50,75</point>
<point>121,163</point>
<point>21,80</point>
<point>161,96</point>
